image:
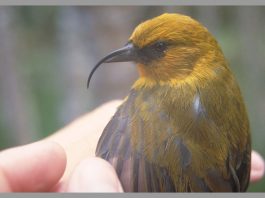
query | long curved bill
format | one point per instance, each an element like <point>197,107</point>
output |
<point>125,54</point>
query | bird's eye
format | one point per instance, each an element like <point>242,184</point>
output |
<point>160,46</point>
<point>153,51</point>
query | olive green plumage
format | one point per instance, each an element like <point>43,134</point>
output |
<point>183,126</point>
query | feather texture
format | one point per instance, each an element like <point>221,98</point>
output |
<point>177,149</point>
<point>183,126</point>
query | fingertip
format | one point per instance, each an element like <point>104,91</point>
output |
<point>94,175</point>
<point>257,167</point>
<point>33,167</point>
<point>58,154</point>
<point>58,159</point>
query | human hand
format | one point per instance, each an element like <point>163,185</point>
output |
<point>63,162</point>
<point>42,167</point>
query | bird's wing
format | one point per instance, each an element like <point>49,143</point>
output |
<point>123,144</point>
<point>148,157</point>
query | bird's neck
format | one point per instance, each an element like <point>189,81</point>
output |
<point>207,68</point>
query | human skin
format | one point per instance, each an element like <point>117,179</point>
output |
<point>66,162</point>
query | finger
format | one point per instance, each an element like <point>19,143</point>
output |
<point>94,175</point>
<point>257,167</point>
<point>31,168</point>
<point>79,139</point>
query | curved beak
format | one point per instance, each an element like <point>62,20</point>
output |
<point>125,54</point>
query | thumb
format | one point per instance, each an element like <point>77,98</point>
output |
<point>94,175</point>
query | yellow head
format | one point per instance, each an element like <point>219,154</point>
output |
<point>173,43</point>
<point>166,47</point>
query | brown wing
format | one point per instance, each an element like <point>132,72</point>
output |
<point>136,171</point>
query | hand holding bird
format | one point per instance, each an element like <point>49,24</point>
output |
<point>82,172</point>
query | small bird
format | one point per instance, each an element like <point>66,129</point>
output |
<point>183,127</point>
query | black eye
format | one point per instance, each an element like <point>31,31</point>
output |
<point>153,51</point>
<point>160,46</point>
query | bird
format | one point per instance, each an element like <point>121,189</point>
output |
<point>183,127</point>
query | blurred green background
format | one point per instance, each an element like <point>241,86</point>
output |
<point>46,54</point>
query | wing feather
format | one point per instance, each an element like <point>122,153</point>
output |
<point>149,157</point>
